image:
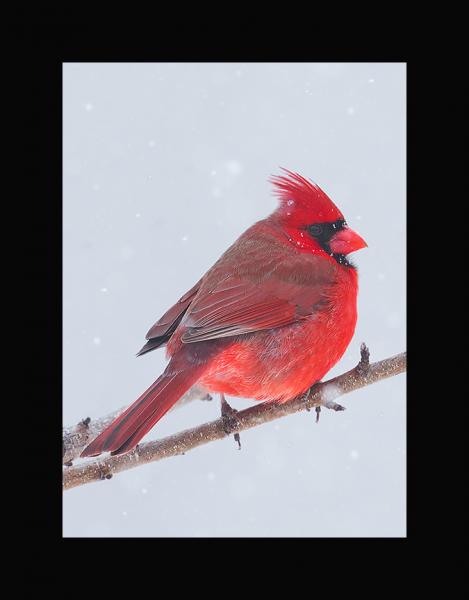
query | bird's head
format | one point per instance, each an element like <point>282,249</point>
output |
<point>311,219</point>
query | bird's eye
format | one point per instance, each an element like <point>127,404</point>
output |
<point>315,230</point>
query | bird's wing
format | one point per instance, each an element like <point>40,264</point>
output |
<point>287,291</point>
<point>163,329</point>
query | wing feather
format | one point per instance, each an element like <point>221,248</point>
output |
<point>163,329</point>
<point>244,301</point>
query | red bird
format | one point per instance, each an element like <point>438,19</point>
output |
<point>271,317</point>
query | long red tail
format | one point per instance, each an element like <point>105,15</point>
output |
<point>128,429</point>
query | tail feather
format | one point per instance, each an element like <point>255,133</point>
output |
<point>129,428</point>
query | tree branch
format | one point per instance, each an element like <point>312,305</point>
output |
<point>321,394</point>
<point>75,438</point>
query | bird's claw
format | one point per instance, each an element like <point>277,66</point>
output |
<point>307,399</point>
<point>317,407</point>
<point>230,421</point>
<point>318,412</point>
<point>334,406</point>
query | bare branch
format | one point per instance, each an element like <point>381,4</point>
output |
<point>77,437</point>
<point>320,394</point>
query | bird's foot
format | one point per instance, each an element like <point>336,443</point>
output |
<point>230,421</point>
<point>333,405</point>
<point>318,412</point>
<point>307,398</point>
<point>322,402</point>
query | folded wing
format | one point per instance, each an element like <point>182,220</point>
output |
<point>163,329</point>
<point>285,292</point>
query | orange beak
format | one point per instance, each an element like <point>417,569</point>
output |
<point>345,241</point>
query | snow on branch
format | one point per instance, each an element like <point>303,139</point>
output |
<point>321,394</point>
<point>77,437</point>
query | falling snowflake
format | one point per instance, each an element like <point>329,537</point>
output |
<point>233,167</point>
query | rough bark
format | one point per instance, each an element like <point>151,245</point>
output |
<point>321,394</point>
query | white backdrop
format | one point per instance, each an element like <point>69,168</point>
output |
<point>164,166</point>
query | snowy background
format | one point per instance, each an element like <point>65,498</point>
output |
<point>164,166</point>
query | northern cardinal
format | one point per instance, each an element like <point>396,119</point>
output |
<point>271,317</point>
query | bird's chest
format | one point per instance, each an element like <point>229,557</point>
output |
<point>282,363</point>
